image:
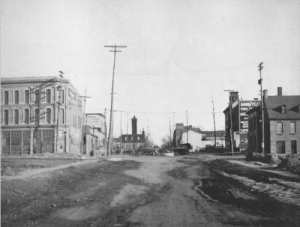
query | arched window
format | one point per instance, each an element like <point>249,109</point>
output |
<point>26,117</point>
<point>27,96</point>
<point>37,116</point>
<point>6,97</point>
<point>16,97</point>
<point>37,96</point>
<point>62,96</point>
<point>62,116</point>
<point>16,115</point>
<point>48,115</point>
<point>6,115</point>
<point>48,96</point>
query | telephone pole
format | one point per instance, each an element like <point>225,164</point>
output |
<point>260,67</point>
<point>83,119</point>
<point>187,132</point>
<point>214,121</point>
<point>112,97</point>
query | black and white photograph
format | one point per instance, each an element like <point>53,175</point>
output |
<point>150,113</point>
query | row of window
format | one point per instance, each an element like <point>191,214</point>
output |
<point>138,138</point>
<point>37,96</point>
<point>280,128</point>
<point>280,147</point>
<point>36,118</point>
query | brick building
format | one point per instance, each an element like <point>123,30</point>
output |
<point>281,125</point>
<point>30,107</point>
<point>134,140</point>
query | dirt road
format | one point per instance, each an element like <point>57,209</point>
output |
<point>149,191</point>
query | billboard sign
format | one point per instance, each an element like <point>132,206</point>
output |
<point>245,106</point>
<point>96,120</point>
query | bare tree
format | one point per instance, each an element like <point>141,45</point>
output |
<point>166,142</point>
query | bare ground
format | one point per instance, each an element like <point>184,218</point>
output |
<point>150,191</point>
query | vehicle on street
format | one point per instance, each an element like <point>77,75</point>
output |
<point>183,149</point>
<point>146,150</point>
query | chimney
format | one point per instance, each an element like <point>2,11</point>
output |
<point>265,94</point>
<point>279,91</point>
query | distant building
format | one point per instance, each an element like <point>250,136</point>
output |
<point>239,120</point>
<point>134,140</point>
<point>210,138</point>
<point>40,114</point>
<point>281,125</point>
<point>97,124</point>
<point>179,130</point>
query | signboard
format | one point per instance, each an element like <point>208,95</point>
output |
<point>96,120</point>
<point>245,106</point>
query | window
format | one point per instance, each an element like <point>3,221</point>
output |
<point>138,138</point>
<point>62,116</point>
<point>26,118</point>
<point>283,109</point>
<point>294,146</point>
<point>16,97</point>
<point>6,96</point>
<point>280,147</point>
<point>48,116</point>
<point>16,120</point>
<point>6,114</point>
<point>279,127</point>
<point>37,96</point>
<point>61,96</point>
<point>37,116</point>
<point>27,96</point>
<point>293,127</point>
<point>48,96</point>
<point>125,138</point>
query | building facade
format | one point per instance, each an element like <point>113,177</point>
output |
<point>40,114</point>
<point>281,125</point>
<point>97,124</point>
<point>133,141</point>
<point>236,115</point>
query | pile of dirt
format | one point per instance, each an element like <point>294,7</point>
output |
<point>290,162</point>
<point>8,171</point>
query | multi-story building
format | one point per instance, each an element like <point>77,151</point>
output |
<point>40,114</point>
<point>97,124</point>
<point>134,140</point>
<point>281,125</point>
<point>238,118</point>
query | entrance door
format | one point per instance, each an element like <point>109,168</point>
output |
<point>16,145</point>
<point>37,142</point>
<point>294,146</point>
<point>48,141</point>
<point>5,142</point>
<point>26,142</point>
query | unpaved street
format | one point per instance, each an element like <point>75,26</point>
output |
<point>151,191</point>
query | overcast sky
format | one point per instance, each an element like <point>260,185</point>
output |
<point>180,53</point>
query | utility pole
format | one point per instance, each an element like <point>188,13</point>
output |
<point>83,119</point>
<point>214,121</point>
<point>260,67</point>
<point>170,134</point>
<point>112,97</point>
<point>121,125</point>
<point>231,131</point>
<point>187,132</point>
<point>147,134</point>
<point>173,131</point>
<point>58,109</point>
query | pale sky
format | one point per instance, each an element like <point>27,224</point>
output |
<point>180,53</point>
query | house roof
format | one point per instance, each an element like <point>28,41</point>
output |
<point>273,105</point>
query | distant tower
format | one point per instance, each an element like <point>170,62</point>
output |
<point>134,125</point>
